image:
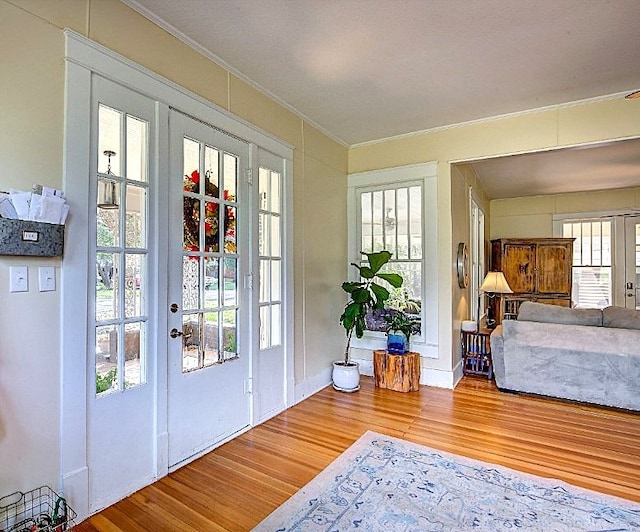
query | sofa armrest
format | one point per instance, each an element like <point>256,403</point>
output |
<point>497,355</point>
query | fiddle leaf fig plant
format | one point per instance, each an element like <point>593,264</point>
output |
<point>366,295</point>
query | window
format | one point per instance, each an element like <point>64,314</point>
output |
<point>396,209</point>
<point>121,251</point>
<point>270,251</point>
<point>391,219</point>
<point>592,263</point>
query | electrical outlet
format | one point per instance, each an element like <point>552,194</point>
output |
<point>18,279</point>
<point>47,278</point>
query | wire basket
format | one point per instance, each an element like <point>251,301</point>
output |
<point>38,510</point>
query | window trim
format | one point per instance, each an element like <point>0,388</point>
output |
<point>426,175</point>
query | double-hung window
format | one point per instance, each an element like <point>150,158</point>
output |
<point>394,210</point>
<point>592,261</point>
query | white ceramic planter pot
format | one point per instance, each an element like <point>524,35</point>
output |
<point>346,378</point>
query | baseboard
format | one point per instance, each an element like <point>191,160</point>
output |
<point>312,385</point>
<point>75,488</point>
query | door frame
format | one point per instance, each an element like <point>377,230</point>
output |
<point>83,58</point>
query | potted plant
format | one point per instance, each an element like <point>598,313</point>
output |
<point>365,295</point>
<point>400,327</point>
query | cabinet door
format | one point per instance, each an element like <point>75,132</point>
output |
<point>518,266</point>
<point>554,268</point>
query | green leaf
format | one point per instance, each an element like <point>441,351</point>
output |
<point>393,279</point>
<point>365,272</point>
<point>349,287</point>
<point>381,293</point>
<point>378,260</point>
<point>361,295</point>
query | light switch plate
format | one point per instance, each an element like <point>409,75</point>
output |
<point>18,279</point>
<point>47,278</point>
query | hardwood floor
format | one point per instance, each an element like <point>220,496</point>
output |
<point>240,483</point>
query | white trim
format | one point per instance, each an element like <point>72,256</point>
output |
<point>313,385</point>
<point>495,118</point>
<point>410,172</point>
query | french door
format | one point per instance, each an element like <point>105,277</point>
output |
<point>632,263</point>
<point>122,263</point>
<point>209,299</point>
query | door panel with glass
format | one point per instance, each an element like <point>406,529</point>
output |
<point>121,381</point>
<point>209,351</point>
<point>632,263</point>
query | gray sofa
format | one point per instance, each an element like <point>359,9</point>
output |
<point>586,355</point>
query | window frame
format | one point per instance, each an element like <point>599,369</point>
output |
<point>424,175</point>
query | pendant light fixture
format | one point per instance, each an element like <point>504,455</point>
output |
<point>107,188</point>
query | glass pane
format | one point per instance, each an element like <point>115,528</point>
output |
<point>230,176</point>
<point>190,342</point>
<point>191,215</point>
<point>275,325</point>
<point>211,227</point>
<point>136,232</point>
<point>275,281</point>
<point>367,222</point>
<point>402,220</point>
<point>211,339</point>
<point>134,285</point>
<point>108,229</point>
<point>275,236</point>
<point>263,220</point>
<point>275,192</point>
<point>211,171</point>
<point>264,280</point>
<point>106,359</point>
<point>211,283</point>
<point>586,243</point>
<point>263,185</point>
<point>377,219</point>
<point>230,282</point>
<point>264,327</point>
<point>230,230</point>
<point>606,243</point>
<point>191,154</point>
<point>229,334</point>
<point>190,283</point>
<point>409,296</point>
<point>106,286</point>
<point>109,128</point>
<point>134,371</point>
<point>596,240</point>
<point>591,287</point>
<point>136,149</point>
<point>415,222</point>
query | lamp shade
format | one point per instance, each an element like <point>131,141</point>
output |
<point>495,283</point>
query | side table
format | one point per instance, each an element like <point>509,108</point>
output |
<point>476,353</point>
<point>400,373</point>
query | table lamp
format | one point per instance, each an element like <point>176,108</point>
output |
<point>494,284</point>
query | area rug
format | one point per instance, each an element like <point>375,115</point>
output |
<point>386,484</point>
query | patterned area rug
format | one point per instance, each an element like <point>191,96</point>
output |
<point>385,484</point>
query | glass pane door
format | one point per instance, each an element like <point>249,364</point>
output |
<point>209,308</point>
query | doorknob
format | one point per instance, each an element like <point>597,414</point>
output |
<point>175,333</point>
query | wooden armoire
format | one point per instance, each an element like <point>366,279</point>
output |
<point>537,269</point>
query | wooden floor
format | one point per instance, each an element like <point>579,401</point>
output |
<point>241,482</point>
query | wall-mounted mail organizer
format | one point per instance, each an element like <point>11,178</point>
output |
<point>26,237</point>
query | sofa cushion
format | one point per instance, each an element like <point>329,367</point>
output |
<point>621,318</point>
<point>543,313</point>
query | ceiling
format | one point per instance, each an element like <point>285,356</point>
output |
<point>365,70</point>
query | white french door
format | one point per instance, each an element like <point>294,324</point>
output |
<point>122,364</point>
<point>632,263</point>
<point>209,303</point>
